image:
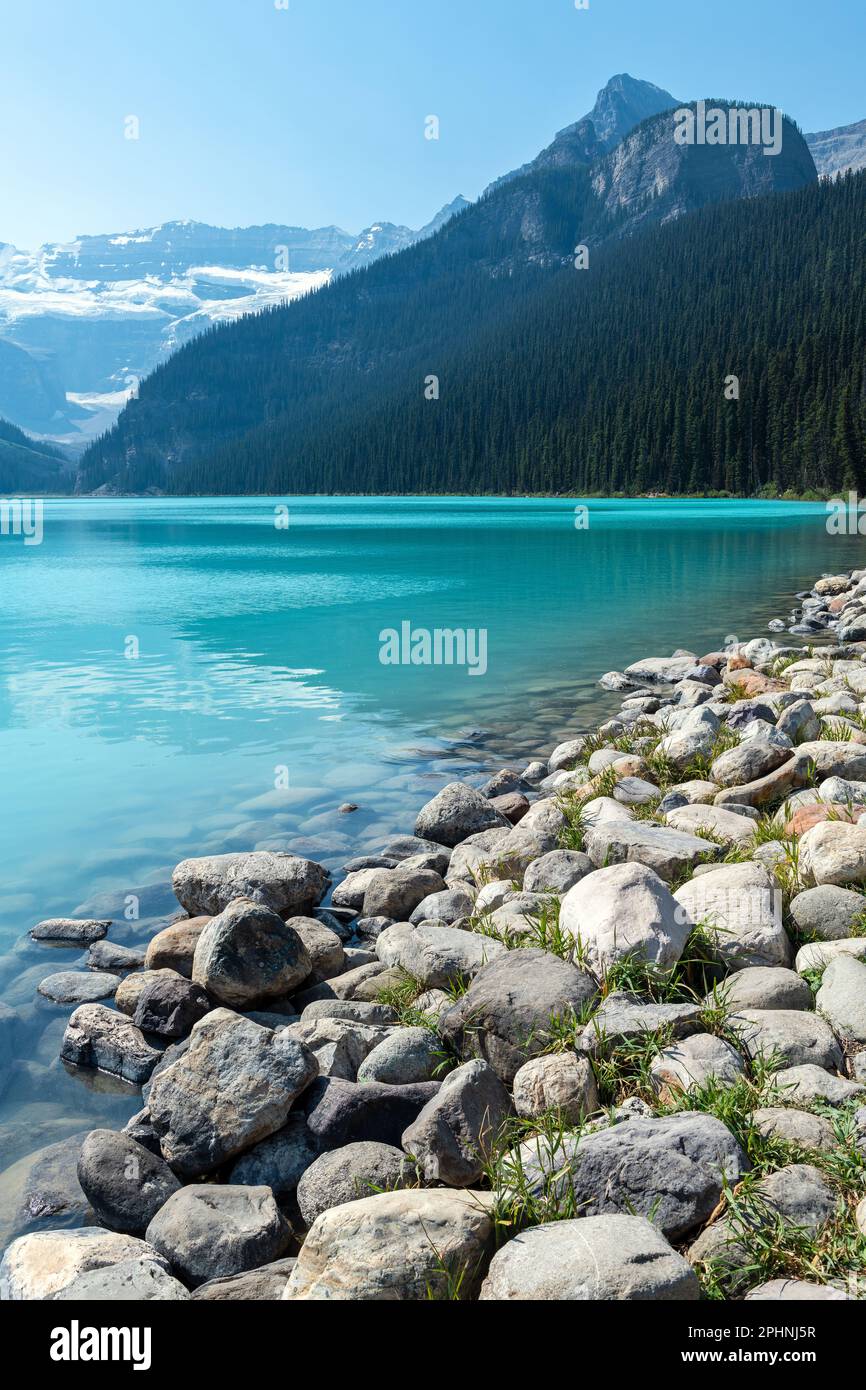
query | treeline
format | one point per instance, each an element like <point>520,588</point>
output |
<point>550,379</point>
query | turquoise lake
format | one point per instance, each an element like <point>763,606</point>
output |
<point>190,676</point>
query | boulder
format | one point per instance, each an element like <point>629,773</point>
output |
<point>827,912</point>
<point>209,1232</point>
<point>797,1195</point>
<point>139,1280</point>
<point>286,884</point>
<point>40,1265</point>
<point>741,909</point>
<point>624,911</point>
<point>667,852</point>
<point>596,1258</point>
<point>69,931</point>
<point>78,986</point>
<point>129,989</point>
<point>455,812</point>
<point>114,959</point>
<point>834,852</point>
<point>696,1061</point>
<point>344,1112</point>
<point>99,1038</point>
<point>350,1173</point>
<point>405,1056</point>
<point>795,1290</point>
<point>454,1134</point>
<point>764,987</point>
<point>448,907</point>
<point>619,1169</point>
<point>248,954</point>
<point>831,758</point>
<point>355,1011</point>
<point>557,871</point>
<point>752,759</point>
<point>660,670</point>
<point>439,956</point>
<point>397,892</point>
<point>807,1083</point>
<point>799,722</point>
<point>279,1161</point>
<point>566,755</point>
<point>338,1045</point>
<point>764,790</point>
<point>509,1011</point>
<point>397,1246</point>
<point>792,1036</point>
<point>716,820</point>
<point>795,1127</point>
<point>173,948</point>
<point>266,1284</point>
<point>125,1184</point>
<point>323,946</point>
<point>233,1085</point>
<point>169,1006</point>
<point>558,1081</point>
<point>624,1018</point>
<point>842,998</point>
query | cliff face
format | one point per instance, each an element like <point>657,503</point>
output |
<point>837,151</point>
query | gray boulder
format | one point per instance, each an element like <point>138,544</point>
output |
<point>405,1056</point>
<point>438,956</point>
<point>696,1061</point>
<point>764,987</point>
<point>280,1161</point>
<point>842,997</point>
<point>78,986</point>
<point>448,907</point>
<point>267,1284</point>
<point>557,871</point>
<point>625,911</point>
<point>625,1017</point>
<point>797,1291</point>
<point>559,1081</point>
<point>344,1112</point>
<point>667,852</point>
<point>208,1232</point>
<point>740,907</point>
<point>248,954</point>
<point>114,959</point>
<point>351,1173</point>
<point>808,1082</point>
<point>799,722</point>
<point>130,1281</point>
<point>509,1011</point>
<point>125,1184</point>
<point>755,757</point>
<point>622,1258</point>
<point>338,1045</point>
<point>169,1006</point>
<point>397,892</point>
<point>453,1135</point>
<point>99,1038</point>
<point>827,912</point>
<point>286,884</point>
<point>233,1085</point>
<point>454,813</point>
<point>794,1037</point>
<point>70,931</point>
<point>42,1264</point>
<point>323,946</point>
<point>795,1127</point>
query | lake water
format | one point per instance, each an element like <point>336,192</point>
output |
<point>193,676</point>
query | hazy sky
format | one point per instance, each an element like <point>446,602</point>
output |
<point>314,114</point>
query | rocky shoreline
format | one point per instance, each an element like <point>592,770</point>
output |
<point>595,1030</point>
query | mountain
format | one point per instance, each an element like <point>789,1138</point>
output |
<point>88,319</point>
<point>252,405</point>
<point>622,104</point>
<point>27,465</point>
<point>836,151</point>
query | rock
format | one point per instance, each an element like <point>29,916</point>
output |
<point>764,790</point>
<point>752,759</point>
<point>350,893</point>
<point>799,722</point>
<point>409,847</point>
<point>130,988</point>
<point>795,1290</point>
<point>355,1011</point>
<point>625,1018</point>
<point>453,1135</point>
<point>406,1055</point>
<point>805,817</point>
<point>834,852</point>
<point>660,670</point>
<point>279,1161</point>
<point>817,955</point>
<point>323,946</point>
<point>808,1083</point>
<point>142,1131</point>
<point>503,783</point>
<point>286,884</point>
<point>397,892</point>
<point>624,911</point>
<point>363,983</point>
<point>233,1085</point>
<point>593,1259</point>
<point>666,852</point>
<point>793,1036</point>
<point>405,1246</point>
<point>618,1169</point>
<point>448,907</point>
<point>827,912</point>
<point>68,931</point>
<point>833,758</point>
<point>338,1045</point>
<point>798,1195</point>
<point>114,959</point>
<point>794,1126</point>
<point>557,871</point>
<point>696,1061</point>
<point>369,928</point>
<point>78,986</point>
<point>173,948</point>
<point>40,1265</point>
<point>266,1284</point>
<point>438,956</point>
<point>494,894</point>
<point>169,1006</point>
<point>740,908</point>
<point>842,997</point>
<point>764,987</point>
<point>470,861</point>
<point>509,1011</point>
<point>566,755</point>
<point>513,806</point>
<point>124,1183</point>
<point>247,954</point>
<point>559,1081</point>
<point>131,1281</point>
<point>724,824</point>
<point>344,1112</point>
<point>352,1173</point>
<point>43,1186</point>
<point>208,1232</point>
<point>99,1038</point>
<point>455,812</point>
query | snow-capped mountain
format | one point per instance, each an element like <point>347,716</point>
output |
<point>82,322</point>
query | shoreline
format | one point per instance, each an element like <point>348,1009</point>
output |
<point>647,953</point>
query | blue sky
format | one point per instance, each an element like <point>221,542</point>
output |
<point>315,114</point>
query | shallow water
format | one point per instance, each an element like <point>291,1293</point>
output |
<point>258,664</point>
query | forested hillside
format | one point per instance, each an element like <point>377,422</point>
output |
<point>27,465</point>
